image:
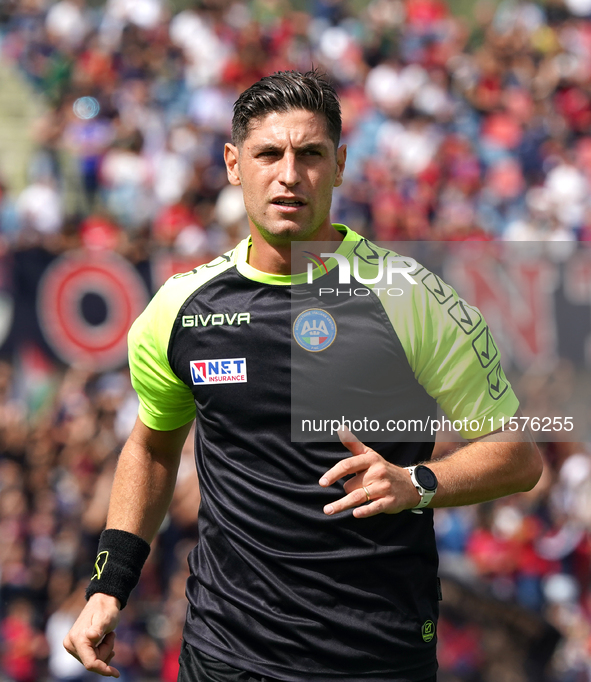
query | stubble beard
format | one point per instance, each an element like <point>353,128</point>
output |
<point>285,236</point>
<point>284,231</point>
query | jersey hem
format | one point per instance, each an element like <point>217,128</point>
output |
<point>157,425</point>
<point>506,410</point>
<point>291,675</point>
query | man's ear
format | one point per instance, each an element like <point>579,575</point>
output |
<point>231,155</point>
<point>341,158</point>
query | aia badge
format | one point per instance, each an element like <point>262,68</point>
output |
<point>314,330</point>
<point>227,371</point>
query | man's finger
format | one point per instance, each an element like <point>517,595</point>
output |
<point>354,499</point>
<point>105,648</point>
<point>350,465</point>
<point>70,648</point>
<point>356,482</point>
<point>372,509</point>
<point>345,434</point>
<point>87,655</point>
<point>105,670</point>
<point>93,652</point>
<point>351,442</point>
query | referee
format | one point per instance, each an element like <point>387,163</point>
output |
<point>316,561</point>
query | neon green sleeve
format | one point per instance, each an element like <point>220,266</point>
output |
<point>166,403</point>
<point>452,353</point>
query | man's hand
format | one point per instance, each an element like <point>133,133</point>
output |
<point>92,637</point>
<point>495,465</point>
<point>142,490</point>
<point>387,486</point>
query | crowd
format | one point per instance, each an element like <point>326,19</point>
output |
<point>456,130</point>
<point>55,478</point>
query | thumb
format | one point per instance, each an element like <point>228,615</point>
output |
<point>95,634</point>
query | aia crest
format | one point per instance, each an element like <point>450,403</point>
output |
<point>314,330</point>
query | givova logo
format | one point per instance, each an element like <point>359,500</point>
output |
<point>227,370</point>
<point>314,330</point>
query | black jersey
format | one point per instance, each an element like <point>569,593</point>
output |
<point>276,586</point>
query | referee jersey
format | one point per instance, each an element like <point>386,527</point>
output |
<point>277,587</point>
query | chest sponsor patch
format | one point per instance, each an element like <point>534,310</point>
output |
<point>314,330</point>
<point>222,371</point>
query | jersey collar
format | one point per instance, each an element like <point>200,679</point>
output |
<point>244,268</point>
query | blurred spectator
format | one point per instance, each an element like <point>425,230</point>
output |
<point>22,645</point>
<point>62,666</point>
<point>412,80</point>
<point>39,207</point>
<point>67,24</point>
<point>127,180</point>
<point>454,131</point>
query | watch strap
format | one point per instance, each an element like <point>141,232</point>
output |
<point>426,495</point>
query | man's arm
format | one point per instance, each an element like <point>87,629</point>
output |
<point>480,471</point>
<point>142,490</point>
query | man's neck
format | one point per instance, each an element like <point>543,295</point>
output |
<point>276,259</point>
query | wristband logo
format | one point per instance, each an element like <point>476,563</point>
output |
<point>99,564</point>
<point>314,330</point>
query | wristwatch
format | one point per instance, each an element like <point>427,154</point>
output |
<point>425,481</point>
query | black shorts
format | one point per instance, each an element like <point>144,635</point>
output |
<point>195,666</point>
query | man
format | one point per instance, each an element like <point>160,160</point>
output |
<point>287,583</point>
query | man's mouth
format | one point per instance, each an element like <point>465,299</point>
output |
<point>288,202</point>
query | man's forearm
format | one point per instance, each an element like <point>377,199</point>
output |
<point>145,479</point>
<point>142,490</point>
<point>485,470</point>
<point>481,471</point>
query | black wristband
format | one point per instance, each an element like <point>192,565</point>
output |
<point>119,562</point>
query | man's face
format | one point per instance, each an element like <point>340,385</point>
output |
<point>287,167</point>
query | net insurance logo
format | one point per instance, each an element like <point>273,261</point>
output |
<point>230,370</point>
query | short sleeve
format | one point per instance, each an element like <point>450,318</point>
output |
<point>453,355</point>
<point>166,403</point>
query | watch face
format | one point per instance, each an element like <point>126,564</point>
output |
<point>426,478</point>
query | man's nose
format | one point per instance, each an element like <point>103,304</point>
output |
<point>288,173</point>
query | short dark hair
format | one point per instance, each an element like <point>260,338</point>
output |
<point>286,90</point>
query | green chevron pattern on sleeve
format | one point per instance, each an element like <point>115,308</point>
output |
<point>166,402</point>
<point>454,357</point>
<point>450,349</point>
